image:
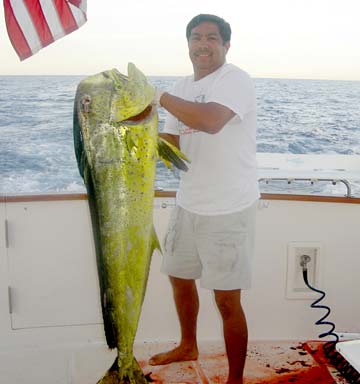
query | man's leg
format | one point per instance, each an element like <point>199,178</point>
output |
<point>235,332</point>
<point>187,306</point>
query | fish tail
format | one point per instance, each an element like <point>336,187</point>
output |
<point>115,376</point>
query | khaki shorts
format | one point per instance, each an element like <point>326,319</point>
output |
<point>218,250</point>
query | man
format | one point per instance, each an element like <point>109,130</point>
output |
<point>212,119</point>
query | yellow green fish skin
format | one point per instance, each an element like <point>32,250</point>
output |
<point>117,159</point>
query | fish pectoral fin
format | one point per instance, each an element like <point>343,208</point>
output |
<point>170,155</point>
<point>155,241</point>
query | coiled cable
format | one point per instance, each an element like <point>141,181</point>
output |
<point>348,372</point>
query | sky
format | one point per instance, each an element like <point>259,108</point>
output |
<point>305,39</point>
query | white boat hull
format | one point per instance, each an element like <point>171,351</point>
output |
<point>50,318</point>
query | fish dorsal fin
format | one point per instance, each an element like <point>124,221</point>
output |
<point>170,155</point>
<point>131,95</point>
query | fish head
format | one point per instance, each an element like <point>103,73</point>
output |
<point>112,97</point>
<point>132,94</point>
<point>116,119</point>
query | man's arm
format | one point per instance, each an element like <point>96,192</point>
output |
<point>206,117</point>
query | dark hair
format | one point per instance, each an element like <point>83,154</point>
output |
<point>224,27</point>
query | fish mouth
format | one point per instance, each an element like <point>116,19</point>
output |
<point>144,115</point>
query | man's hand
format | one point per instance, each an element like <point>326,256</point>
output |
<point>156,100</point>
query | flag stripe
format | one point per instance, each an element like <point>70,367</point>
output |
<point>53,20</point>
<point>79,14</point>
<point>81,4</point>
<point>34,24</point>
<point>77,3</point>
<point>16,35</point>
<point>36,13</point>
<point>66,17</point>
<point>26,25</point>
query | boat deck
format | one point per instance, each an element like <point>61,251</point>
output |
<point>267,362</point>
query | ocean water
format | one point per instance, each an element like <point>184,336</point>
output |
<point>294,116</point>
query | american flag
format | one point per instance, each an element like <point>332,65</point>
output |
<point>34,24</point>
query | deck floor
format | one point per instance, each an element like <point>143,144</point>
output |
<point>267,362</point>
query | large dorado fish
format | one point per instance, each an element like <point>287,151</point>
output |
<point>116,145</point>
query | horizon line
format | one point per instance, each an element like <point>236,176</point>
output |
<point>177,76</point>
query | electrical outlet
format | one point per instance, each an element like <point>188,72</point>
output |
<point>295,284</point>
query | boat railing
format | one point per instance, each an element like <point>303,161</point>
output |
<point>311,180</point>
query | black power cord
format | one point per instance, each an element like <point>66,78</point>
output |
<point>347,371</point>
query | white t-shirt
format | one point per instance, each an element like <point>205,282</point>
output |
<point>222,177</point>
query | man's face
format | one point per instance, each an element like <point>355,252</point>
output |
<point>207,50</point>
